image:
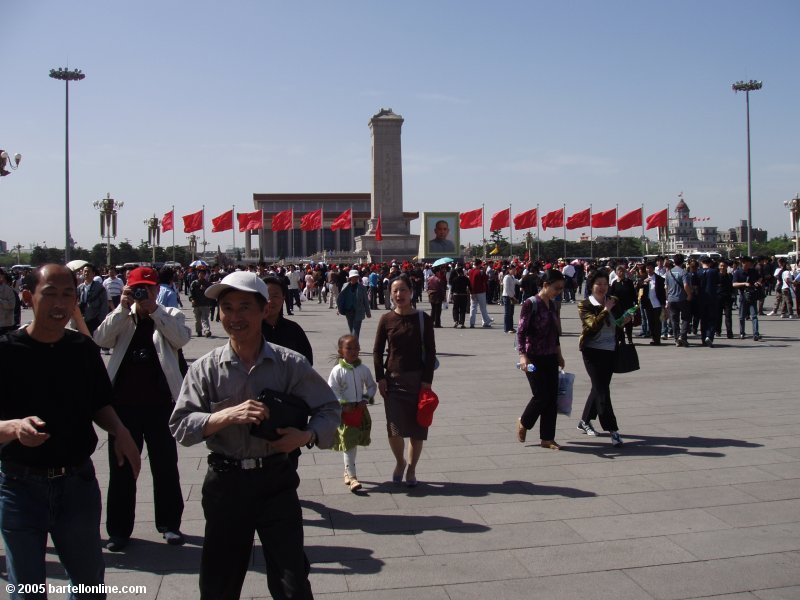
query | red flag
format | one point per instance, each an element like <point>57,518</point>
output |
<point>311,221</point>
<point>607,218</point>
<point>193,222</point>
<point>378,231</point>
<point>658,219</point>
<point>579,219</point>
<point>224,222</point>
<point>631,219</point>
<point>283,220</point>
<point>343,221</point>
<point>525,220</point>
<point>252,220</point>
<point>168,222</point>
<point>553,219</point>
<point>471,219</point>
<point>501,219</point>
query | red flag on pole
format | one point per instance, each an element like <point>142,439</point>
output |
<point>631,219</point>
<point>252,220</point>
<point>579,219</point>
<point>283,220</point>
<point>525,220</point>
<point>343,221</point>
<point>168,222</point>
<point>193,222</point>
<point>311,221</point>
<point>553,219</point>
<point>224,222</point>
<point>471,219</point>
<point>658,219</point>
<point>607,218</point>
<point>501,219</point>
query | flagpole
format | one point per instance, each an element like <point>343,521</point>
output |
<point>204,229</point>
<point>291,224</point>
<point>352,231</point>
<point>591,235</point>
<point>538,241</point>
<point>380,218</point>
<point>564,222</point>
<point>510,232</point>
<point>643,237</point>
<point>483,229</point>
<point>173,233</point>
<point>321,225</point>
<point>616,220</point>
<point>233,230</point>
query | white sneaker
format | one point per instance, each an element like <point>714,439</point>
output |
<point>586,428</point>
<point>770,313</point>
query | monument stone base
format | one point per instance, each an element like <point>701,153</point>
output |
<point>400,246</point>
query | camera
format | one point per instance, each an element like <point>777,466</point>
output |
<point>140,293</point>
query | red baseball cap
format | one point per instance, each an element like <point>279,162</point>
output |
<point>143,276</point>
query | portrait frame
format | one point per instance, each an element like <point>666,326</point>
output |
<point>428,235</point>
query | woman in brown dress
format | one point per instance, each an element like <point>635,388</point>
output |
<point>408,368</point>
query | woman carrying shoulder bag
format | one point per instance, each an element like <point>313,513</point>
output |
<point>598,343</point>
<point>538,343</point>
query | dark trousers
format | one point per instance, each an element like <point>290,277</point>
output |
<point>146,424</point>
<point>508,315</point>
<point>542,405</point>
<point>708,318</point>
<point>436,313</point>
<point>654,323</point>
<point>237,504</point>
<point>373,298</point>
<point>748,308</point>
<point>725,307</point>
<point>680,314</point>
<point>600,367</point>
<point>460,304</point>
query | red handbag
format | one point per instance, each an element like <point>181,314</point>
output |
<point>353,418</point>
<point>427,403</point>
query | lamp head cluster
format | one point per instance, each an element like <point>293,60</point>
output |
<point>67,75</point>
<point>7,160</point>
<point>746,86</point>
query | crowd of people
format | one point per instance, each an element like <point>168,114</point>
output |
<point>256,400</point>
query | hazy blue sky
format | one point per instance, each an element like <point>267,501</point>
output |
<point>192,103</point>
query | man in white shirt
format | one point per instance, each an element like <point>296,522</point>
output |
<point>113,285</point>
<point>294,277</point>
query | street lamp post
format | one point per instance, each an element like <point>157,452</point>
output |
<point>66,76</point>
<point>193,245</point>
<point>108,208</point>
<point>6,160</point>
<point>153,233</point>
<point>794,210</point>
<point>747,87</point>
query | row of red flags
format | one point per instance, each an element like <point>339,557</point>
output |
<point>554,219</point>
<point>282,221</point>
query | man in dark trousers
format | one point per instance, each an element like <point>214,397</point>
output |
<point>47,437</point>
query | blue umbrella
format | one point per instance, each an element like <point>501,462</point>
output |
<point>442,261</point>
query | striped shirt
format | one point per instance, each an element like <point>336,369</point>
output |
<point>113,286</point>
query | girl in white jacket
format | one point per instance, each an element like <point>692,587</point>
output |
<point>354,386</point>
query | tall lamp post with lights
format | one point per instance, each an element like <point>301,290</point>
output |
<point>153,233</point>
<point>794,211</point>
<point>747,87</point>
<point>193,246</point>
<point>66,76</point>
<point>6,160</point>
<point>108,208</point>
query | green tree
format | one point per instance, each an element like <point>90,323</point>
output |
<point>127,253</point>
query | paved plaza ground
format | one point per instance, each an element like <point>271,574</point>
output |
<point>703,501</point>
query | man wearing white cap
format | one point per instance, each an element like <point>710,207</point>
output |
<point>353,302</point>
<point>251,483</point>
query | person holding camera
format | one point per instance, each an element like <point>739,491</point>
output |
<point>146,379</point>
<point>748,281</point>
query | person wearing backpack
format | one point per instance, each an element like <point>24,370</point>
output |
<point>679,294</point>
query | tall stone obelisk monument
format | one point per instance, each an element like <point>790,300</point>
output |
<point>387,190</point>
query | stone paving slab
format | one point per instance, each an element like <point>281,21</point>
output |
<point>703,501</point>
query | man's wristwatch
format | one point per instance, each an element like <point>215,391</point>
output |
<point>312,440</point>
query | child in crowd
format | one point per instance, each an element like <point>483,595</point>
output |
<point>354,386</point>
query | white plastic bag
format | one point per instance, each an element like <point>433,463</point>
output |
<point>564,399</point>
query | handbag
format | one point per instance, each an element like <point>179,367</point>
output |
<point>353,418</point>
<point>566,383</point>
<point>422,337</point>
<point>427,402</point>
<point>285,410</point>
<point>626,359</point>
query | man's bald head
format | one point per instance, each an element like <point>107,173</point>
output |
<point>48,272</point>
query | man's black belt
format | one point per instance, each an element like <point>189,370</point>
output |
<point>19,470</point>
<point>223,464</point>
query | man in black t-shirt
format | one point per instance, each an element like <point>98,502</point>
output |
<point>747,281</point>
<point>47,437</point>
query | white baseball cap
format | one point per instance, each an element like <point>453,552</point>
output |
<point>239,280</point>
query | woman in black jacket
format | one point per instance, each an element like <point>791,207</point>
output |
<point>625,293</point>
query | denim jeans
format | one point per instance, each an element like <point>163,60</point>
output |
<point>353,324</point>
<point>68,508</point>
<point>746,308</point>
<point>508,314</point>
<point>479,301</point>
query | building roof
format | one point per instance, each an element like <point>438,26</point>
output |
<point>681,205</point>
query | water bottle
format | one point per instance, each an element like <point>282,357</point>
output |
<point>531,367</point>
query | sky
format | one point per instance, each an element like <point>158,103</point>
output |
<point>505,102</point>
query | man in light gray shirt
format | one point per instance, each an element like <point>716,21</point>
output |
<point>251,483</point>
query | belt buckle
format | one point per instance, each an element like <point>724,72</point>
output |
<point>53,473</point>
<point>249,463</point>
